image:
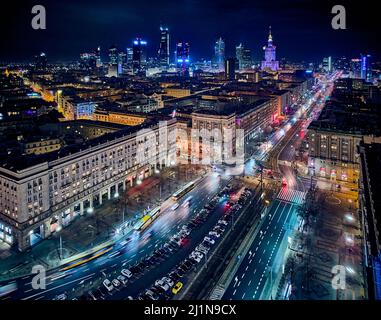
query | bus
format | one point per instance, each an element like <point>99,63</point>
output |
<point>83,258</point>
<point>7,289</point>
<point>183,191</point>
<point>148,219</point>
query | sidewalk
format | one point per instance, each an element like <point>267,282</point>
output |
<point>92,229</point>
<point>327,240</point>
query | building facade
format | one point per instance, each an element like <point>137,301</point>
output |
<point>39,199</point>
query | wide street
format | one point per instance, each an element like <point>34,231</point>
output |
<point>139,246</point>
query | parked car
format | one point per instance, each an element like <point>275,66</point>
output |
<point>168,281</point>
<point>160,283</point>
<point>152,295</point>
<point>210,240</point>
<point>127,273</point>
<point>177,287</point>
<point>61,296</point>
<point>122,279</point>
<point>108,285</point>
<point>116,283</point>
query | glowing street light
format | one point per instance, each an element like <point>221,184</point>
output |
<point>90,210</point>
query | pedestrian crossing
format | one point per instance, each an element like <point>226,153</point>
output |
<point>290,195</point>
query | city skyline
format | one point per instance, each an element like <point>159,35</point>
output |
<point>73,28</point>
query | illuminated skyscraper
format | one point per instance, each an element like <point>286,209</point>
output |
<point>219,53</point>
<point>327,64</point>
<point>270,62</point>
<point>122,62</point>
<point>366,69</point>
<point>113,69</point>
<point>139,55</point>
<point>41,61</point>
<point>355,68</point>
<point>88,60</point>
<point>98,57</point>
<point>164,47</point>
<point>113,55</point>
<point>230,68</point>
<point>182,55</point>
<point>243,56</point>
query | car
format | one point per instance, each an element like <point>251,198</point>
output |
<point>175,206</point>
<point>206,244</point>
<point>130,298</point>
<point>168,247</point>
<point>172,275</point>
<point>127,273</point>
<point>214,234</point>
<point>210,240</point>
<point>192,260</point>
<point>116,283</point>
<point>168,281</point>
<point>151,294</point>
<point>162,251</point>
<point>191,225</point>
<point>61,296</point>
<point>188,263</point>
<point>96,294</point>
<point>222,221</point>
<point>195,258</point>
<point>157,289</point>
<point>136,270</point>
<point>160,283</point>
<point>177,287</point>
<point>179,273</point>
<point>204,247</point>
<point>198,254</point>
<point>184,241</point>
<point>202,250</point>
<point>150,261</point>
<point>108,285</point>
<point>92,295</point>
<point>173,245</point>
<point>122,279</point>
<point>182,268</point>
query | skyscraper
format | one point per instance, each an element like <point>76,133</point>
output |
<point>230,68</point>
<point>41,61</point>
<point>113,61</point>
<point>164,47</point>
<point>113,55</point>
<point>88,60</point>
<point>355,68</point>
<point>139,55</point>
<point>270,63</point>
<point>366,69</point>
<point>243,56</point>
<point>98,57</point>
<point>182,55</point>
<point>327,64</point>
<point>219,53</point>
<point>122,62</point>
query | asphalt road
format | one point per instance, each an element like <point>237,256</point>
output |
<point>253,272</point>
<point>141,245</point>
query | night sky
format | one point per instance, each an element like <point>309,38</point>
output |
<point>301,29</point>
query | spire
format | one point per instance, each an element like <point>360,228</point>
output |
<point>270,35</point>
